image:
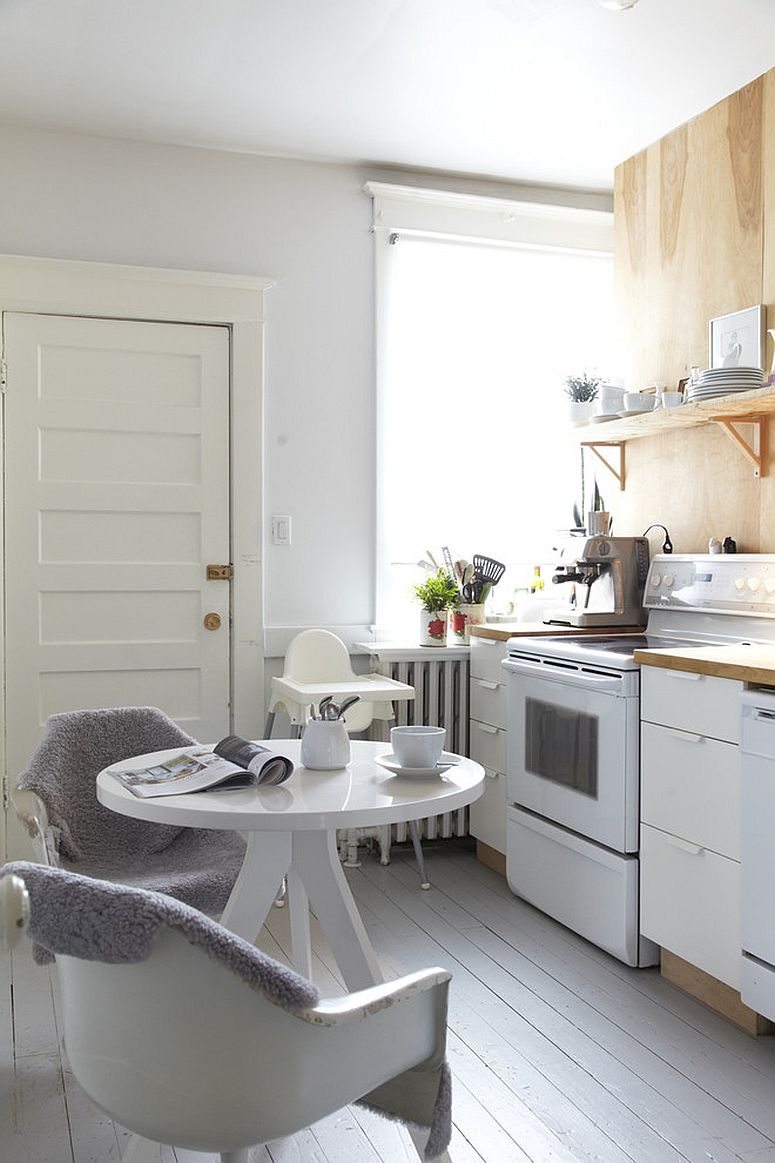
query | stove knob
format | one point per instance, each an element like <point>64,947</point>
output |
<point>769,585</point>
<point>656,579</point>
<point>739,583</point>
<point>753,584</point>
<point>668,580</point>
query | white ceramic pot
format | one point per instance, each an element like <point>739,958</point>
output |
<point>433,627</point>
<point>325,746</point>
<point>581,411</point>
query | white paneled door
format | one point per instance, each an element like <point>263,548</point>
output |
<point>117,500</point>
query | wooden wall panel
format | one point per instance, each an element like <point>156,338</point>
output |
<point>688,237</point>
<point>694,232</point>
<point>693,481</point>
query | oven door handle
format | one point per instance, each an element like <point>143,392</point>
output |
<point>585,675</point>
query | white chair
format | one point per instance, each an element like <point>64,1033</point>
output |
<point>318,664</point>
<point>56,801</point>
<point>181,1049</point>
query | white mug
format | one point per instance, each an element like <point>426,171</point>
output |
<point>672,399</point>
<point>417,746</point>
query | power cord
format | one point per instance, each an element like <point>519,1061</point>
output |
<point>667,546</point>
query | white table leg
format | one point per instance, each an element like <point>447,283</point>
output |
<point>298,903</point>
<point>267,859</point>
<point>316,860</point>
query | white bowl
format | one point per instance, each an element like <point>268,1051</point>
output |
<point>638,402</point>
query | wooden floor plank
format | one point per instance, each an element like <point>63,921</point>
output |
<point>560,1054</point>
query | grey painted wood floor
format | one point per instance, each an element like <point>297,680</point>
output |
<point>560,1054</point>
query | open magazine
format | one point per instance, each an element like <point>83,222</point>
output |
<point>233,763</point>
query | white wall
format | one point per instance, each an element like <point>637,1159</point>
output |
<point>307,226</point>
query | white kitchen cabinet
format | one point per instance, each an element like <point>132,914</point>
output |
<point>690,818</point>
<point>487,740</point>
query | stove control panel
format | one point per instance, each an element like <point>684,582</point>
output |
<point>727,583</point>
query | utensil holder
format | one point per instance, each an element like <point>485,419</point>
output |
<point>462,618</point>
<point>325,745</point>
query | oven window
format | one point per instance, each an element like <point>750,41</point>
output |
<point>561,745</point>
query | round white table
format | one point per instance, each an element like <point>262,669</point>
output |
<point>291,831</point>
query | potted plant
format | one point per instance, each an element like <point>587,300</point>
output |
<point>438,593</point>
<point>581,390</point>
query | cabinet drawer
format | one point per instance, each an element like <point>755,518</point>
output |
<point>485,659</point>
<point>693,702</point>
<point>487,745</point>
<point>487,815</point>
<point>488,701</point>
<point>690,903</point>
<point>690,786</point>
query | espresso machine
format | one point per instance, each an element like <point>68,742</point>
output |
<point>609,577</point>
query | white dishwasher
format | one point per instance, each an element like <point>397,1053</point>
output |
<point>757,851</point>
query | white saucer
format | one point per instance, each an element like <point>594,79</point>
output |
<point>634,412</point>
<point>390,762</point>
<point>603,416</point>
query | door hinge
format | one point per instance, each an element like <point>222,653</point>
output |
<point>3,375</point>
<point>220,572</point>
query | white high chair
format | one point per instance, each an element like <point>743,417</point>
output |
<point>318,664</point>
<point>180,1050</point>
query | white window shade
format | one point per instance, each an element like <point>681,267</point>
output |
<point>476,335</point>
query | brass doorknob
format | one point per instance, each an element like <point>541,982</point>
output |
<point>212,621</point>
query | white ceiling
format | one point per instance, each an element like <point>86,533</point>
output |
<point>555,91</point>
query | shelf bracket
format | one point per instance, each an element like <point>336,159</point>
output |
<point>754,450</point>
<point>596,446</point>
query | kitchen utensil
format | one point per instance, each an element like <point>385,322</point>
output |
<point>348,703</point>
<point>322,706</point>
<point>448,563</point>
<point>430,557</point>
<point>488,568</point>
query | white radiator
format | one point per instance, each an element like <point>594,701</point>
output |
<point>441,700</point>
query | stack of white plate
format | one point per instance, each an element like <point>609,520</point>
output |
<point>723,381</point>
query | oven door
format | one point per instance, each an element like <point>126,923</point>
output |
<point>572,747</point>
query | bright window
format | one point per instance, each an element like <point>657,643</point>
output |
<point>475,341</point>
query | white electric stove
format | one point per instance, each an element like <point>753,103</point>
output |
<point>573,740</point>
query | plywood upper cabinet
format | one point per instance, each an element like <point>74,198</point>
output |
<point>689,235</point>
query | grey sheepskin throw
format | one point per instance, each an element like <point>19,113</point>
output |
<point>197,866</point>
<point>99,921</point>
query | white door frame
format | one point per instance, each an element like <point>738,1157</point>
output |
<point>103,290</point>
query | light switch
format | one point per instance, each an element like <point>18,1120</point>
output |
<point>281,529</point>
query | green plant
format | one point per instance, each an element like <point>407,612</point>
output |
<point>438,592</point>
<point>582,389</point>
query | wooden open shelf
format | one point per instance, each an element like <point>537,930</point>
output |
<point>728,412</point>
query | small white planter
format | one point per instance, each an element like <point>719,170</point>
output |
<point>433,627</point>
<point>581,411</point>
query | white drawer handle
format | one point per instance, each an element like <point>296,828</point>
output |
<point>490,686</point>
<point>684,845</point>
<point>686,675</point>
<point>486,727</point>
<point>490,774</point>
<point>686,736</point>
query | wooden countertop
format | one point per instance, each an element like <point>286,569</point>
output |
<point>501,631</point>
<point>744,663</point>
